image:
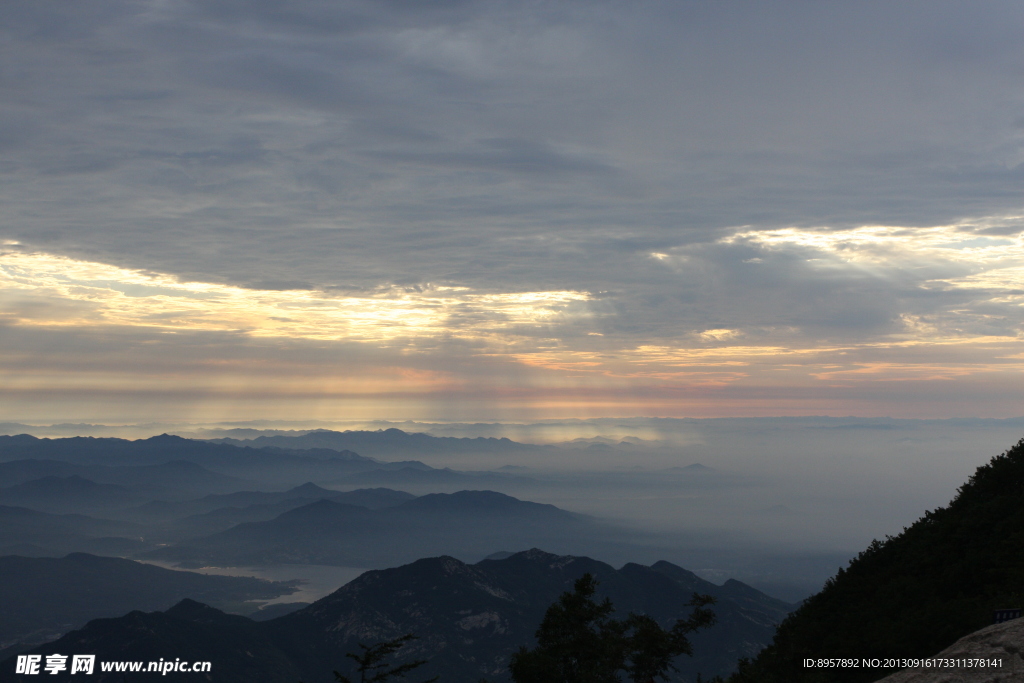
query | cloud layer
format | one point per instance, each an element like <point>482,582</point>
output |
<point>503,207</point>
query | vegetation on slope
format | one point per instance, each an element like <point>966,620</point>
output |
<point>914,594</point>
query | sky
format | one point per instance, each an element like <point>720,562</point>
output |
<point>483,210</point>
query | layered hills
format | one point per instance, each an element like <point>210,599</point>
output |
<point>470,618</point>
<point>388,443</point>
<point>30,532</point>
<point>332,532</point>
<point>140,495</point>
<point>67,494</point>
<point>214,513</point>
<point>172,467</point>
<point>174,478</point>
<point>113,528</point>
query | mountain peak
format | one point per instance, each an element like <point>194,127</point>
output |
<point>190,610</point>
<point>164,438</point>
<point>309,489</point>
<point>538,555</point>
<point>321,508</point>
<point>464,500</point>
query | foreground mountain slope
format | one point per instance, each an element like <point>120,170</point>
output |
<point>916,593</point>
<point>470,619</point>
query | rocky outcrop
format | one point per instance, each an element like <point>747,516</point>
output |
<point>1000,641</point>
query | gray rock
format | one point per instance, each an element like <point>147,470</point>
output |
<point>999,641</point>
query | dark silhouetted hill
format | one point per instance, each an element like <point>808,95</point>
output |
<point>238,648</point>
<point>916,593</point>
<point>470,619</point>
<point>42,598</point>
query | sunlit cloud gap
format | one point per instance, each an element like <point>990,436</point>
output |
<point>970,255</point>
<point>552,336</point>
<point>959,256</point>
<point>102,294</point>
<point>967,243</point>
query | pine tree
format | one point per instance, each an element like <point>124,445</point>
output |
<point>579,642</point>
<point>373,666</point>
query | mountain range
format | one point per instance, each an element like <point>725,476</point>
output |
<point>269,465</point>
<point>125,530</point>
<point>29,532</point>
<point>174,478</point>
<point>469,619</point>
<point>331,532</point>
<point>214,513</point>
<point>389,443</point>
<point>67,494</point>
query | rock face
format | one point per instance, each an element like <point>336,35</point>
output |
<point>1000,641</point>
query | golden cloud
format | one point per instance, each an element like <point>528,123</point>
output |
<point>46,290</point>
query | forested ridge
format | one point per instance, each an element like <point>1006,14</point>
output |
<point>913,594</point>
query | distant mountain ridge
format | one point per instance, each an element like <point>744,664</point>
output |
<point>66,494</point>
<point>333,532</point>
<point>439,478</point>
<point>216,513</point>
<point>22,529</point>
<point>174,477</point>
<point>151,451</point>
<point>283,467</point>
<point>371,498</point>
<point>470,619</point>
<point>388,443</point>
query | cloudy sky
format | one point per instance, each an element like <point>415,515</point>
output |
<point>510,210</point>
